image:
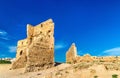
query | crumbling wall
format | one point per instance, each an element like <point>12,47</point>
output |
<point>87,58</point>
<point>41,48</point>
<point>72,57</point>
<point>71,54</point>
<point>21,57</point>
<point>36,52</point>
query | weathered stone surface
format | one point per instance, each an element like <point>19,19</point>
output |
<point>72,57</point>
<point>86,58</point>
<point>36,52</point>
<point>71,54</point>
<point>21,57</point>
<point>41,47</point>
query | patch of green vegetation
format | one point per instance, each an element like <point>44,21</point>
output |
<point>75,67</point>
<point>95,76</point>
<point>69,62</point>
<point>114,76</point>
<point>102,61</point>
<point>5,62</point>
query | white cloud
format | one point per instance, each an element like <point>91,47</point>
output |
<point>3,35</point>
<point>4,38</point>
<point>12,49</point>
<point>60,45</point>
<point>113,51</point>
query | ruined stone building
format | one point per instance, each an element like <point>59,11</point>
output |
<point>71,54</point>
<point>72,57</point>
<point>36,52</point>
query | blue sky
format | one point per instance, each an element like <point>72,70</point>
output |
<point>94,25</point>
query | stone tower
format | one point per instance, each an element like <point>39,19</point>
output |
<point>36,52</point>
<point>40,52</point>
<point>71,54</point>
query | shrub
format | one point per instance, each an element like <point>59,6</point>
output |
<point>69,62</point>
<point>5,62</point>
<point>95,76</point>
<point>102,61</point>
<point>114,76</point>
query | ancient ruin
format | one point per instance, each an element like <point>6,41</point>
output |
<point>36,52</point>
<point>71,54</point>
<point>72,57</point>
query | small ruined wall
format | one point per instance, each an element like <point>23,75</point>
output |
<point>86,58</point>
<point>71,54</point>
<point>72,57</point>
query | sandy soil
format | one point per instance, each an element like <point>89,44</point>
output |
<point>60,71</point>
<point>5,72</point>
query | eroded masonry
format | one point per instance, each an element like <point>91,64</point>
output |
<point>36,52</point>
<point>72,57</point>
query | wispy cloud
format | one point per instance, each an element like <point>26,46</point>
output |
<point>3,35</point>
<point>113,51</point>
<point>60,45</point>
<point>12,49</point>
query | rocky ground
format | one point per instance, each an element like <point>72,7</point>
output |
<point>80,70</point>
